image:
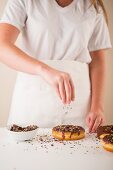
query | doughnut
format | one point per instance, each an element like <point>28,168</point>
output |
<point>107,142</point>
<point>68,132</point>
<point>104,130</point>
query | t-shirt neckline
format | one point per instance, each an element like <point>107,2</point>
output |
<point>66,8</point>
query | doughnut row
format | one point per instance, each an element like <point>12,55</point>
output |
<point>71,132</point>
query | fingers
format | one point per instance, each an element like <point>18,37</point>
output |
<point>96,124</point>
<point>90,121</point>
<point>65,88</point>
<point>102,121</point>
<point>62,91</point>
<point>91,124</point>
<point>65,91</point>
<point>72,90</point>
<point>68,91</point>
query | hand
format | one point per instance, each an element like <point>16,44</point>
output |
<point>94,120</point>
<point>60,81</point>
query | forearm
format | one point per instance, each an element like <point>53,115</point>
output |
<point>97,76</point>
<point>18,60</point>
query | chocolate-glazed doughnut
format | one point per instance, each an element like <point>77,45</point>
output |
<point>107,142</point>
<point>104,130</point>
<point>68,132</point>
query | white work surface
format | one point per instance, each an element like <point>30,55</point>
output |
<point>86,154</point>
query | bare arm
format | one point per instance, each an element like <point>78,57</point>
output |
<point>15,58</point>
<point>97,70</point>
<point>97,74</point>
<point>12,55</point>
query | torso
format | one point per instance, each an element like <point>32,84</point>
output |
<point>56,33</point>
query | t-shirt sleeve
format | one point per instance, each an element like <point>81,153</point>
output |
<point>15,13</point>
<point>100,38</point>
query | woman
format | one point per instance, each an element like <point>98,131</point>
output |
<point>61,60</point>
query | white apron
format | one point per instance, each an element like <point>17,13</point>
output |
<point>36,102</point>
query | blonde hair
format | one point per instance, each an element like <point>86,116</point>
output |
<point>97,4</point>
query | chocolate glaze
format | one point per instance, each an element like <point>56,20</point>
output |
<point>108,129</point>
<point>16,128</point>
<point>69,128</point>
<point>108,139</point>
<point>63,135</point>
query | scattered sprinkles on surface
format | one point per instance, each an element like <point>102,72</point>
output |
<point>48,143</point>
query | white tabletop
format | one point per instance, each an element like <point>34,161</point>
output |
<point>86,154</point>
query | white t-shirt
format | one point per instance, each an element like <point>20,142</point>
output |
<point>50,31</point>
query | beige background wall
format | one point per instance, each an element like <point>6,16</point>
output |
<point>8,76</point>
